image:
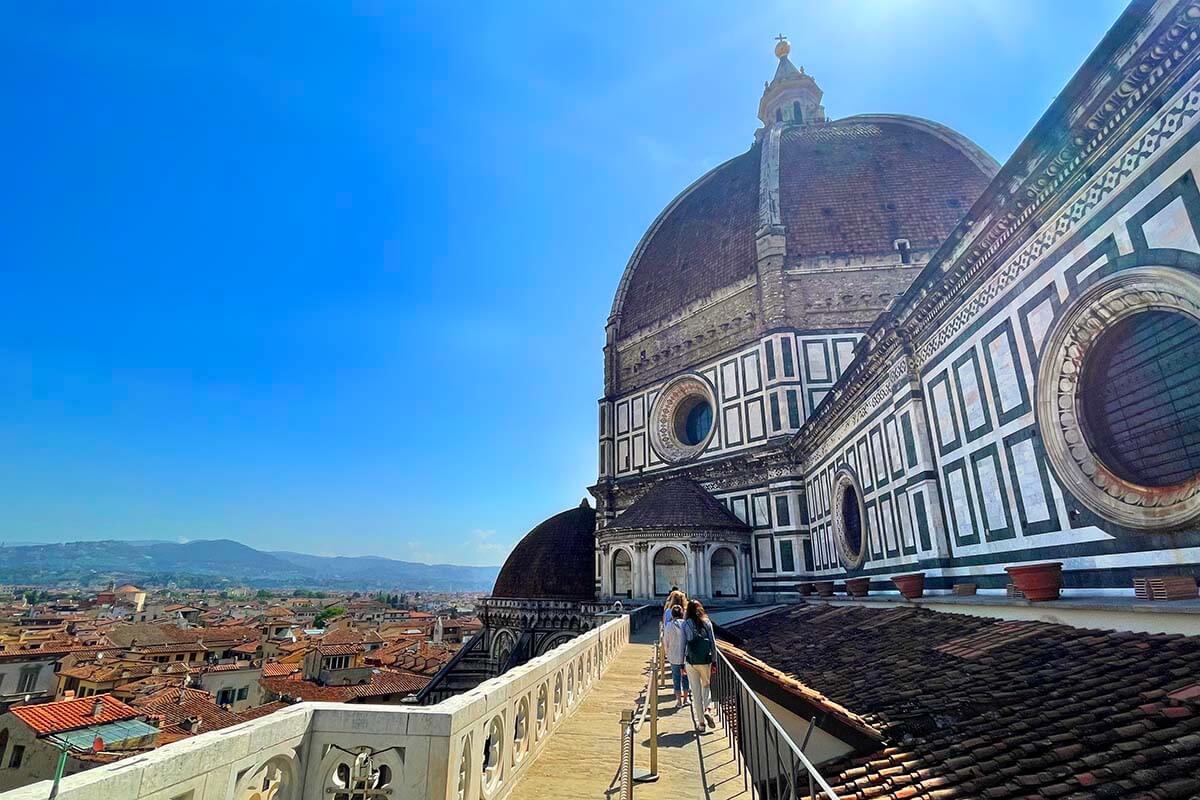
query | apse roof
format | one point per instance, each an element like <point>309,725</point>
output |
<point>677,503</point>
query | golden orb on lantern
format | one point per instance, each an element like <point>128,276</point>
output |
<point>782,46</point>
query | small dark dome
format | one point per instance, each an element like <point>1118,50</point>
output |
<point>555,560</point>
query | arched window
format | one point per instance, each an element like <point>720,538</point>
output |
<point>723,571</point>
<point>622,574</point>
<point>779,115</point>
<point>797,114</point>
<point>670,569</point>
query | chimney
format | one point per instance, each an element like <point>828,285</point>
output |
<point>69,694</point>
<point>192,724</point>
<point>97,706</point>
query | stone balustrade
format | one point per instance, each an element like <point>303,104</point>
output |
<point>470,747</point>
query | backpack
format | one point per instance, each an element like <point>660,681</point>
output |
<point>699,647</point>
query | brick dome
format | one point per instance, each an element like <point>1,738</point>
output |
<point>847,188</point>
<point>555,560</point>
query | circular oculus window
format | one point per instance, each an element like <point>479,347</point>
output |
<point>848,516</point>
<point>682,419</point>
<point>1119,398</point>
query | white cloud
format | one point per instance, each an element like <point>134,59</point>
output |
<point>483,543</point>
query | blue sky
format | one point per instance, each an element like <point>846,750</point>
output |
<point>335,279</point>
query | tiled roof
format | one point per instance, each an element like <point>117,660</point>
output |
<point>846,188</point>
<point>338,649</point>
<point>390,682</point>
<point>554,560</point>
<point>48,649</point>
<point>276,669</point>
<point>383,682</point>
<point>677,503</point>
<point>746,663</point>
<point>973,707</point>
<point>704,243</point>
<point>177,705</point>
<point>177,647</point>
<point>853,188</point>
<point>66,715</point>
<point>342,636</point>
<point>107,671</point>
<point>231,667</point>
<point>262,711</point>
<point>149,633</point>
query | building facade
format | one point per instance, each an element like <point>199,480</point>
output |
<point>882,353</point>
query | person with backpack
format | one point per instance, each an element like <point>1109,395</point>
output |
<point>674,649</point>
<point>701,657</point>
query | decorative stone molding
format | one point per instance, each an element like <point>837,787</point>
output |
<point>640,537</point>
<point>664,424</point>
<point>1060,397</point>
<point>993,251</point>
<point>844,480</point>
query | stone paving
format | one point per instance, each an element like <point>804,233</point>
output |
<point>581,760</point>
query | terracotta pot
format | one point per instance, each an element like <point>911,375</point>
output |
<point>805,589</point>
<point>1038,581</point>
<point>911,586</point>
<point>858,587</point>
<point>825,588</point>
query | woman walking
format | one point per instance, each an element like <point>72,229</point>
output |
<point>701,656</point>
<point>674,647</point>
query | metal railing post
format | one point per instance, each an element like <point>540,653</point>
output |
<point>654,722</point>
<point>651,775</point>
<point>627,754</point>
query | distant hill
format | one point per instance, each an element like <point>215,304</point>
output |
<point>409,574</point>
<point>217,562</point>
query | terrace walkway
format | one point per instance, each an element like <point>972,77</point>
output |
<point>581,760</point>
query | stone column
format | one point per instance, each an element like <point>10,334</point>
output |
<point>703,579</point>
<point>606,578</point>
<point>644,570</point>
<point>746,571</point>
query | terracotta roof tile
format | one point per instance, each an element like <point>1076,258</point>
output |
<point>276,669</point>
<point>977,707</point>
<point>853,187</point>
<point>67,715</point>
<point>262,711</point>
<point>383,682</point>
<point>704,243</point>
<point>177,705</point>
<point>677,503</point>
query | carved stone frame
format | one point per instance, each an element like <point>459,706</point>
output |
<point>1059,390</point>
<point>662,418</point>
<point>844,479</point>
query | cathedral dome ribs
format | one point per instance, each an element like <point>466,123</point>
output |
<point>874,191</point>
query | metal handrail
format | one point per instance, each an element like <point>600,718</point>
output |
<point>766,754</point>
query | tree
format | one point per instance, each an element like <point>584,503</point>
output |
<point>263,594</point>
<point>330,613</point>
